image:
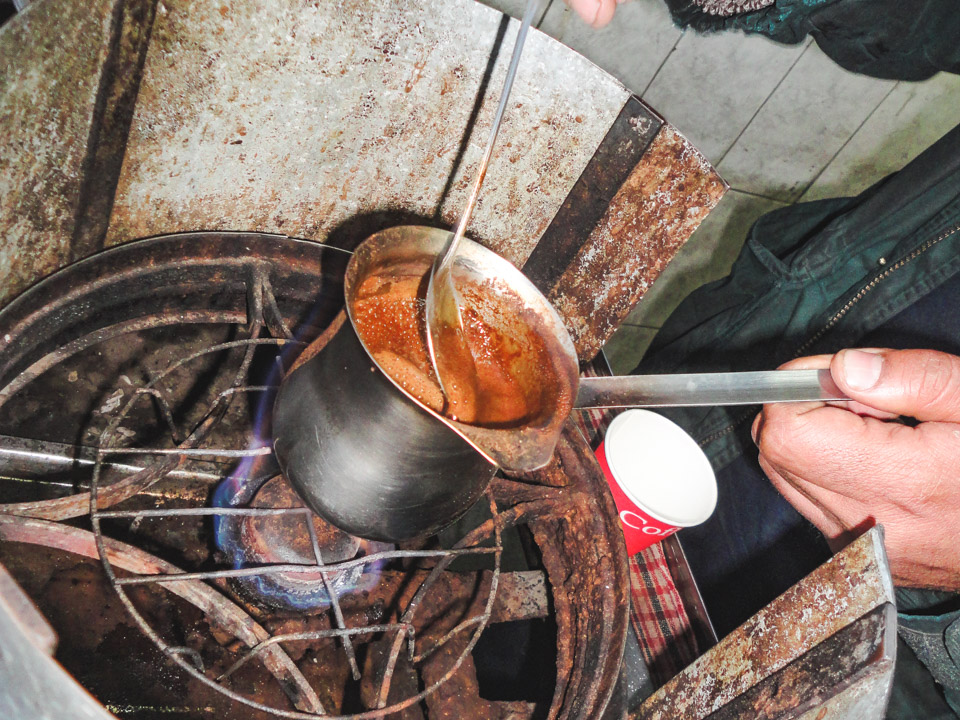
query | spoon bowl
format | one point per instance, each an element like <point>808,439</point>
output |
<point>446,341</point>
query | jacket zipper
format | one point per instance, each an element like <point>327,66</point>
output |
<point>840,314</point>
<point>865,290</point>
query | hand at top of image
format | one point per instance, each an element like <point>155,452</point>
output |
<point>595,13</point>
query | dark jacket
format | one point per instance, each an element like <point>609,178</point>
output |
<point>813,278</point>
<point>883,38</point>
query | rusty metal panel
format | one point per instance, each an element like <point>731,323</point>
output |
<point>866,698</point>
<point>309,119</point>
<point>521,596</point>
<point>846,677</point>
<point>50,60</point>
<point>611,165</point>
<point>848,586</point>
<point>659,206</point>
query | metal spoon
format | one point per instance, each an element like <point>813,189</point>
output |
<point>446,342</point>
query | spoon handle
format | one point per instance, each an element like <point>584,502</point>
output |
<point>450,248</point>
<point>702,389</point>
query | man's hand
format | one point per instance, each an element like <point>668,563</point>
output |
<point>595,12</point>
<point>846,466</point>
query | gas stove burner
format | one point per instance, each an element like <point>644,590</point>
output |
<point>290,535</point>
<point>299,538</point>
<point>262,539</point>
<point>159,356</point>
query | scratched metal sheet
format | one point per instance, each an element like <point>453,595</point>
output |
<point>50,60</point>
<point>865,699</point>
<point>849,585</point>
<point>300,118</point>
<point>665,198</point>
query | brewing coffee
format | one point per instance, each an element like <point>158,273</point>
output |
<point>510,383</point>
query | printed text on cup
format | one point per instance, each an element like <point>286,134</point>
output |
<point>626,516</point>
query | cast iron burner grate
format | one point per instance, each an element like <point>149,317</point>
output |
<point>221,307</point>
<point>404,632</point>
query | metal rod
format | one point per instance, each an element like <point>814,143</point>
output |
<point>302,568</point>
<point>165,410</point>
<point>468,623</point>
<point>334,602</point>
<point>702,389</point>
<point>27,456</point>
<point>314,635</point>
<point>204,511</point>
<point>270,310</point>
<point>187,452</point>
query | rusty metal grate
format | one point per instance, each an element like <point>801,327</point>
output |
<point>261,286</point>
<point>404,631</point>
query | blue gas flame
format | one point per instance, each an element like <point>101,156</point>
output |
<point>286,591</point>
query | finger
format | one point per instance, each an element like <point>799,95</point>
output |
<point>595,13</point>
<point>810,362</point>
<point>824,520</point>
<point>836,448</point>
<point>756,428</point>
<point>923,384</point>
<point>822,362</point>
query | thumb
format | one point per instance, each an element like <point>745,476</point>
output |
<point>922,384</point>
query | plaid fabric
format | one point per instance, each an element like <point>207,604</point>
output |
<point>657,614</point>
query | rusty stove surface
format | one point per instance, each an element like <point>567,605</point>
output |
<point>143,313</point>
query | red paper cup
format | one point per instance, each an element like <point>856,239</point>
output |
<point>660,479</point>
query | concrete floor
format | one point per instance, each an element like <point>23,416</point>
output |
<point>781,123</point>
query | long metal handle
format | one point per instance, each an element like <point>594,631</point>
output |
<point>702,389</point>
<point>443,304</point>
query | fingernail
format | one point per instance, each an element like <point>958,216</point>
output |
<point>861,369</point>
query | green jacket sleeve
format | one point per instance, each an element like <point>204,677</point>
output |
<point>929,622</point>
<point>881,38</point>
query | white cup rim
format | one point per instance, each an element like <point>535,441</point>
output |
<point>642,448</point>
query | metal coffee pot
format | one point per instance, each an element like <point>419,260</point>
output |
<point>369,457</point>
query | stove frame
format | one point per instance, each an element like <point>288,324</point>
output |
<point>269,285</point>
